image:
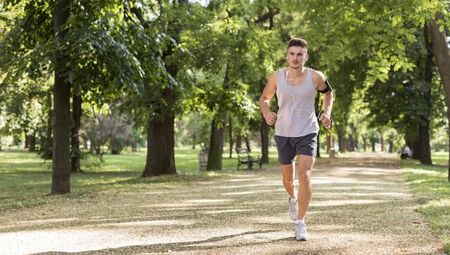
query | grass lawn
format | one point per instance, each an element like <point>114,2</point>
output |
<point>25,179</point>
<point>432,191</point>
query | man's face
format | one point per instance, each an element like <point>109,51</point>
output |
<point>297,56</point>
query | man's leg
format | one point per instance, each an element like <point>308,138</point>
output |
<point>305,165</point>
<point>288,182</point>
<point>288,179</point>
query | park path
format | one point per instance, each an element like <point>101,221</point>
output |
<point>360,206</point>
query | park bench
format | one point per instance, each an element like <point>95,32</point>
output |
<point>244,158</point>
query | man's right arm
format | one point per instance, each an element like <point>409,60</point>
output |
<point>264,100</point>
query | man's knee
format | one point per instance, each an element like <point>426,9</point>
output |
<point>304,175</point>
<point>288,179</point>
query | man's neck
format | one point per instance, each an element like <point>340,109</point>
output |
<point>296,72</point>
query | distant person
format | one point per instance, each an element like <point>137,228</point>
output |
<point>406,152</point>
<point>296,125</point>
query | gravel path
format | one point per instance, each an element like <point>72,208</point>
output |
<point>360,206</point>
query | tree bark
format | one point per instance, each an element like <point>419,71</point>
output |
<point>238,141</point>
<point>351,143</point>
<point>161,142</point>
<point>416,145</point>
<point>75,155</point>
<point>193,139</point>
<point>61,92</point>
<point>230,134</point>
<point>215,145</point>
<point>27,140</point>
<point>424,143</point>
<point>32,142</point>
<point>341,141</point>
<point>45,150</point>
<point>442,56</point>
<point>318,146</point>
<point>372,141</point>
<point>329,143</point>
<point>264,131</point>
<point>382,141</point>
<point>264,142</point>
<point>217,133</point>
<point>424,130</point>
<point>247,144</point>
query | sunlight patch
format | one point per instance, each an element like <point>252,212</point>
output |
<point>227,211</point>
<point>208,201</point>
<point>345,202</point>
<point>150,223</point>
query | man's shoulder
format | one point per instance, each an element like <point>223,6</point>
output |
<point>274,75</point>
<point>317,75</point>
<point>317,72</point>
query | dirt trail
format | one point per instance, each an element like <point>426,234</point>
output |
<point>360,206</point>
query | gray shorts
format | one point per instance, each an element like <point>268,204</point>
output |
<point>289,147</point>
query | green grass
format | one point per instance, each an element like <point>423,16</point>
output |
<point>440,158</point>
<point>25,179</point>
<point>432,191</point>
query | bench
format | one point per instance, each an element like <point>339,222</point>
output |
<point>244,158</point>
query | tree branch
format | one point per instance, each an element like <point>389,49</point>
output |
<point>269,15</point>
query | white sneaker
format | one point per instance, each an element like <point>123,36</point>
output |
<point>300,232</point>
<point>293,209</point>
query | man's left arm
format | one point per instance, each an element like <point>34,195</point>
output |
<point>324,87</point>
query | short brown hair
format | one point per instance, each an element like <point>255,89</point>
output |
<point>297,42</point>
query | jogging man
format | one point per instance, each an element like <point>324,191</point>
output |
<point>296,125</point>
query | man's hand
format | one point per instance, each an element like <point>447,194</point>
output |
<point>326,120</point>
<point>270,117</point>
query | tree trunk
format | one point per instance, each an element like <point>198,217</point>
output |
<point>442,56</point>
<point>238,141</point>
<point>75,156</point>
<point>61,102</point>
<point>215,145</point>
<point>45,150</point>
<point>351,143</point>
<point>32,142</point>
<point>27,140</point>
<point>382,141</point>
<point>247,144</point>
<point>372,141</point>
<point>416,146</point>
<point>318,146</point>
<point>161,130</point>
<point>161,141</point>
<point>424,141</point>
<point>264,132</point>
<point>341,142</point>
<point>230,134</point>
<point>193,139</point>
<point>264,141</point>
<point>424,130</point>
<point>134,146</point>
<point>329,143</point>
<point>391,146</point>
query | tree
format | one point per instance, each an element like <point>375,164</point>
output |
<point>61,102</point>
<point>85,59</point>
<point>379,31</point>
<point>441,54</point>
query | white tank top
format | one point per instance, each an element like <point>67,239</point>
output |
<point>296,114</point>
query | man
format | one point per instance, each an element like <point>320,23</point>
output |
<point>296,124</point>
<point>406,152</point>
